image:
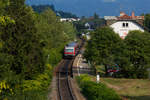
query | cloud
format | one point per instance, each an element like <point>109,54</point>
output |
<point>109,0</point>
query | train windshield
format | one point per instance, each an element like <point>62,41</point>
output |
<point>69,50</point>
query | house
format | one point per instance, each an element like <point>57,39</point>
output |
<point>89,25</point>
<point>69,19</point>
<point>123,24</point>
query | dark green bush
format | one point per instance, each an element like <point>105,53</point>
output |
<point>96,91</point>
<point>30,95</point>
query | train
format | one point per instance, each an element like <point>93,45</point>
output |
<point>71,50</point>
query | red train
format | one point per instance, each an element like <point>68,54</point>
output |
<point>71,50</point>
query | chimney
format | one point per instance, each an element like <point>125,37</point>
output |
<point>133,15</point>
<point>122,13</point>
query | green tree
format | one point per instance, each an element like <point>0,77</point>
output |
<point>138,52</point>
<point>147,21</point>
<point>21,41</point>
<point>96,16</point>
<point>53,35</point>
<point>29,44</point>
<point>50,29</point>
<point>102,47</point>
<point>3,4</point>
<point>69,30</point>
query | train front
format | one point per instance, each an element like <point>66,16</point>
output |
<point>69,52</point>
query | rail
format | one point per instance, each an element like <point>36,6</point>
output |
<point>65,91</point>
<point>59,87</point>
<point>69,84</point>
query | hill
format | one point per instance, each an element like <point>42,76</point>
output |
<point>102,7</point>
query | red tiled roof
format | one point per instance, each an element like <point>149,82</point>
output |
<point>124,17</point>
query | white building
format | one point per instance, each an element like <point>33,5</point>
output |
<point>87,25</point>
<point>110,17</point>
<point>123,27</point>
<point>123,24</point>
<point>69,19</point>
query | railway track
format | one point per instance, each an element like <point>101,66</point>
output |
<point>63,73</point>
<point>63,80</point>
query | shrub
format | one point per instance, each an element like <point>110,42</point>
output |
<point>29,95</point>
<point>41,82</point>
<point>96,91</point>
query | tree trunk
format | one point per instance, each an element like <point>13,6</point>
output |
<point>106,69</point>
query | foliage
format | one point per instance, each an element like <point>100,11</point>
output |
<point>137,44</point>
<point>147,21</point>
<point>134,91</point>
<point>29,44</point>
<point>24,45</point>
<point>56,55</point>
<point>29,95</point>
<point>5,89</point>
<point>96,91</point>
<point>130,54</point>
<point>3,4</point>
<point>83,78</point>
<point>96,16</point>
<point>50,29</point>
<point>65,14</point>
<point>53,35</point>
<point>5,20</point>
<point>70,30</point>
<point>103,45</point>
<point>94,21</point>
<point>41,82</point>
<point>42,8</point>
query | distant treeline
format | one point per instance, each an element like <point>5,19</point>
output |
<point>66,14</point>
<point>41,8</point>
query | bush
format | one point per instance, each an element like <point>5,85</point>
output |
<point>35,89</point>
<point>55,56</point>
<point>29,95</point>
<point>39,83</point>
<point>96,91</point>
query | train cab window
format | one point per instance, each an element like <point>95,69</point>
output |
<point>69,50</point>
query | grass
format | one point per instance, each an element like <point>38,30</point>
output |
<point>129,89</point>
<point>31,95</point>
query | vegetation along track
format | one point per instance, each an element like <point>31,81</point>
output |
<point>64,85</point>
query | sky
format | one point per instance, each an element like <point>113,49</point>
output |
<point>101,7</point>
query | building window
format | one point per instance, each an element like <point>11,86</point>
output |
<point>125,24</point>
